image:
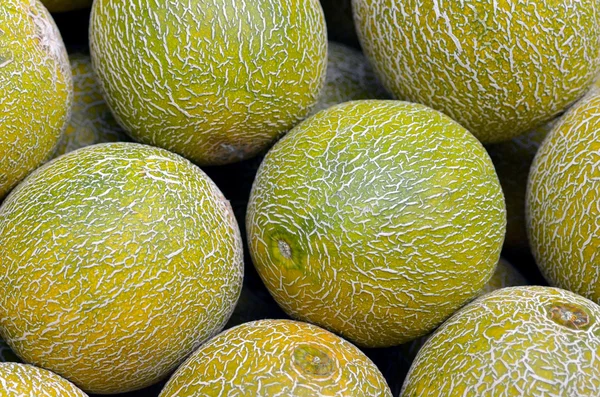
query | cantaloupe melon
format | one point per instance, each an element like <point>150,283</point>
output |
<point>216,81</point>
<point>35,89</point>
<point>66,5</point>
<point>277,358</point>
<point>377,220</point>
<point>500,68</point>
<point>118,260</point>
<point>21,380</point>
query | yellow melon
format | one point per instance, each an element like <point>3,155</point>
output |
<point>20,380</point>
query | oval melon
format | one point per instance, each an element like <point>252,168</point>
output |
<point>216,81</point>
<point>498,68</point>
<point>66,5</point>
<point>35,89</point>
<point>519,341</point>
<point>277,358</point>
<point>20,380</point>
<point>377,220</point>
<point>118,261</point>
<point>562,201</point>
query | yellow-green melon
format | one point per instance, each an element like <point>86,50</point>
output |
<point>91,120</point>
<point>66,5</point>
<point>518,341</point>
<point>500,68</point>
<point>35,89</point>
<point>21,380</point>
<point>562,201</point>
<point>118,260</point>
<point>216,81</point>
<point>377,220</point>
<point>277,358</point>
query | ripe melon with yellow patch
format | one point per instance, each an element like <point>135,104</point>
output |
<point>518,341</point>
<point>562,201</point>
<point>377,220</point>
<point>499,68</point>
<point>118,260</point>
<point>35,89</point>
<point>66,5</point>
<point>216,81</point>
<point>20,380</point>
<point>277,358</point>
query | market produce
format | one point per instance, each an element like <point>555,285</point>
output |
<point>35,89</point>
<point>215,81</point>
<point>377,220</point>
<point>118,261</point>
<point>20,380</point>
<point>498,68</point>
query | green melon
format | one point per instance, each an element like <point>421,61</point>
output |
<point>91,120</point>
<point>562,201</point>
<point>20,380</point>
<point>216,81</point>
<point>277,358</point>
<point>35,89</point>
<point>118,260</point>
<point>498,68</point>
<point>377,220</point>
<point>66,5</point>
<point>349,78</point>
<point>519,341</point>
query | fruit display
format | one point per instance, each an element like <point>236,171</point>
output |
<point>518,341</point>
<point>35,89</point>
<point>562,201</point>
<point>91,120</point>
<point>113,253</point>
<point>277,358</point>
<point>377,220</point>
<point>498,68</point>
<point>66,5</point>
<point>18,380</point>
<point>217,82</point>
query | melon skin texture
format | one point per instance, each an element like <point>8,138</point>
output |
<point>349,78</point>
<point>562,201</point>
<point>66,5</point>
<point>519,341</point>
<point>498,68</point>
<point>91,120</point>
<point>118,261</point>
<point>20,380</point>
<point>277,358</point>
<point>377,220</point>
<point>36,89</point>
<point>215,81</point>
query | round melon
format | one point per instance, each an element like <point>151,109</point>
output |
<point>36,89</point>
<point>377,220</point>
<point>91,120</point>
<point>498,68</point>
<point>66,5</point>
<point>217,81</point>
<point>349,78</point>
<point>20,380</point>
<point>340,22</point>
<point>118,261</point>
<point>562,201</point>
<point>277,358</point>
<point>519,341</point>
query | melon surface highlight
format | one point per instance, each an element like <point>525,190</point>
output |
<point>35,89</point>
<point>519,341</point>
<point>498,68</point>
<point>20,380</point>
<point>277,358</point>
<point>377,220</point>
<point>216,81</point>
<point>118,261</point>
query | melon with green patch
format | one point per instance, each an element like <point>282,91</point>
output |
<point>20,380</point>
<point>118,261</point>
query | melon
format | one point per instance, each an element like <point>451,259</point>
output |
<point>340,22</point>
<point>349,78</point>
<point>91,120</point>
<point>216,81</point>
<point>36,89</point>
<point>277,358</point>
<point>562,201</point>
<point>518,341</point>
<point>66,5</point>
<point>118,260</point>
<point>498,68</point>
<point>20,380</point>
<point>377,220</point>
